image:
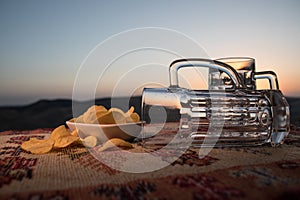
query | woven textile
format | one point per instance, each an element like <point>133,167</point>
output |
<point>225,173</point>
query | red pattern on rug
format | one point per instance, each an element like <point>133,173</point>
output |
<point>73,173</point>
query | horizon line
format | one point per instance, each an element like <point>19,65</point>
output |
<point>88,100</point>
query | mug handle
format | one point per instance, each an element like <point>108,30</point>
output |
<point>200,62</point>
<point>271,76</point>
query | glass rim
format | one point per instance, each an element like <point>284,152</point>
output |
<point>236,59</point>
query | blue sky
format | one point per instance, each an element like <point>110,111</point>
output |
<point>43,43</point>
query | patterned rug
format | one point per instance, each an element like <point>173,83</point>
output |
<point>225,173</point>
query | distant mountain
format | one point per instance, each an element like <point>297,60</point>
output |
<point>52,113</point>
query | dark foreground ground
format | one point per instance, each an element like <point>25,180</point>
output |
<point>52,113</point>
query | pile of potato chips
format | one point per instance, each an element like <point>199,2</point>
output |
<point>61,137</point>
<point>100,115</point>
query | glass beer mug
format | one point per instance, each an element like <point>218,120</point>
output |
<point>229,111</point>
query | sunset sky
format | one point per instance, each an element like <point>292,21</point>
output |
<point>44,43</point>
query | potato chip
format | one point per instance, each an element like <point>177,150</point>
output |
<point>62,137</point>
<point>79,119</point>
<point>115,142</point>
<point>90,141</point>
<point>113,116</point>
<point>93,113</point>
<point>58,132</point>
<point>130,111</point>
<point>99,114</point>
<point>65,141</point>
<point>37,146</point>
<point>135,117</point>
<point>75,133</point>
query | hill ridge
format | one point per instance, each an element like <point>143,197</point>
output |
<point>47,113</point>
